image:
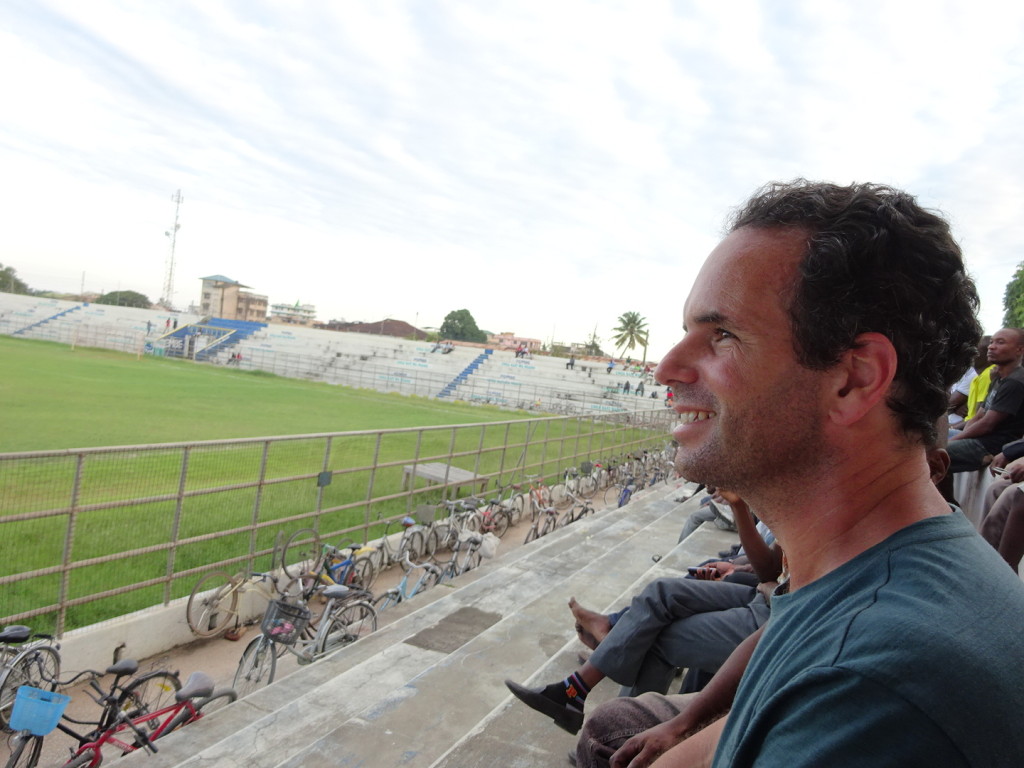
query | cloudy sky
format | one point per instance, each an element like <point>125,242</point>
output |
<point>547,165</point>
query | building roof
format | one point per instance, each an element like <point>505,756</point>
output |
<point>386,327</point>
<point>222,279</point>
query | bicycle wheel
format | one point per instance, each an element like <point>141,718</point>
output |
<point>386,599</point>
<point>550,521</point>
<point>515,508</point>
<point>413,543</point>
<point>301,552</point>
<point>588,486</point>
<point>345,625</point>
<point>363,573</point>
<point>611,495</point>
<point>25,749</point>
<point>501,521</point>
<point>211,606</point>
<point>84,759</point>
<point>38,666</point>
<point>148,693</point>
<point>531,534</point>
<point>256,667</point>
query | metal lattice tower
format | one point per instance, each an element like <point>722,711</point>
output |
<point>168,296</point>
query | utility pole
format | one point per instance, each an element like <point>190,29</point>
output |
<point>168,298</point>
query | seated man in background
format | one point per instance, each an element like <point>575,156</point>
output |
<point>672,623</point>
<point>1001,418</point>
<point>1002,525</point>
<point>962,406</point>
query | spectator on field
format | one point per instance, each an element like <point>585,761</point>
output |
<point>572,362</point>
<point>1000,420</point>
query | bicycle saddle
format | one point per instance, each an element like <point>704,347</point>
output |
<point>123,667</point>
<point>198,685</point>
<point>16,633</point>
<point>335,591</point>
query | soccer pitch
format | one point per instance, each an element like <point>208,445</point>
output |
<point>56,397</point>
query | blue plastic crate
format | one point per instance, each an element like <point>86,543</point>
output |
<point>36,710</point>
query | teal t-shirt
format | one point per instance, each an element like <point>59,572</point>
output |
<point>911,654</point>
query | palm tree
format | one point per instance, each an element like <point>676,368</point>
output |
<point>631,331</point>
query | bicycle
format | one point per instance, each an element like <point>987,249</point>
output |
<point>573,484</point>
<point>469,546</point>
<point>487,516</point>
<point>348,565</point>
<point>137,699</point>
<point>213,602</point>
<point>348,615</point>
<point>444,534</point>
<point>511,498</point>
<point>430,576</point>
<point>545,520</point>
<point>413,542</point>
<point>618,494</point>
<point>27,659</point>
<point>539,496</point>
<point>578,510</point>
<point>149,724</point>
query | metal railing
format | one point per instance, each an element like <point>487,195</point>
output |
<point>90,534</point>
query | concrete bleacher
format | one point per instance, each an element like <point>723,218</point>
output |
<point>58,320</point>
<point>362,360</point>
<point>427,688</point>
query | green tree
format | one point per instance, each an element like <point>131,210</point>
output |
<point>459,325</point>
<point>125,299</point>
<point>593,345</point>
<point>10,282</point>
<point>631,333</point>
<point>1013,300</point>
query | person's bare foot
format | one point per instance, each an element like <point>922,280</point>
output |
<point>591,627</point>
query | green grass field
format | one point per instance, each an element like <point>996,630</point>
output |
<point>54,397</point>
<point>58,398</point>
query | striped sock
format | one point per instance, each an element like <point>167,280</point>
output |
<point>575,689</point>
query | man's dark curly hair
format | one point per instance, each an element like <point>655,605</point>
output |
<point>876,262</point>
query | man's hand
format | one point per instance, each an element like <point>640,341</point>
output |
<point>644,748</point>
<point>714,571</point>
<point>1015,470</point>
<point>999,460</point>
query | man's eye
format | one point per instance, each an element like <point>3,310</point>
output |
<point>721,333</point>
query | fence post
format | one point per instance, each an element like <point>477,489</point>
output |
<point>172,553</point>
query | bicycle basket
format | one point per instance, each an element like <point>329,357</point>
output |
<point>586,468</point>
<point>37,711</point>
<point>284,622</point>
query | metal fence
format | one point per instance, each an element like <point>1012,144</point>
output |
<point>90,534</point>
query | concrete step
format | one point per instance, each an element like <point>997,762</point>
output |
<point>427,688</point>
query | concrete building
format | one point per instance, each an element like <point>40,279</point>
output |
<point>509,340</point>
<point>293,314</point>
<point>223,297</point>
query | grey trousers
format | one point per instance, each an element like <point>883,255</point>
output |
<point>675,623</point>
<point>967,455</point>
<point>615,721</point>
<point>998,503</point>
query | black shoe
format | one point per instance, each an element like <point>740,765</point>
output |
<point>567,716</point>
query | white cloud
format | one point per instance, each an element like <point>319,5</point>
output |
<point>548,166</point>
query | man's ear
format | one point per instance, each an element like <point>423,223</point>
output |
<point>863,377</point>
